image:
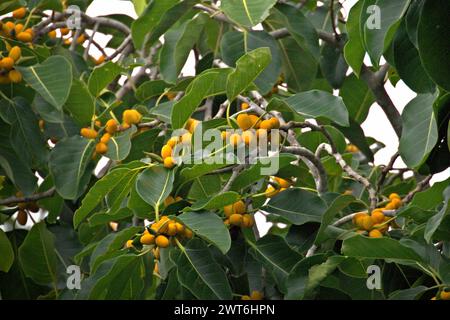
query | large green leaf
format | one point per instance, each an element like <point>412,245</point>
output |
<point>80,103</point>
<point>433,44</point>
<point>235,44</point>
<point>69,160</point>
<point>200,273</point>
<point>317,104</point>
<point>435,221</point>
<point>357,97</point>
<point>178,43</point>
<point>155,184</point>
<point>209,83</point>
<point>52,79</point>
<point>378,38</point>
<point>102,76</point>
<point>150,89</point>
<point>6,251</point>
<point>379,248</point>
<point>248,67</point>
<point>297,206</point>
<point>420,132</point>
<point>333,65</point>
<point>37,255</point>
<point>354,48</point>
<point>247,13</point>
<point>119,146</point>
<point>208,226</point>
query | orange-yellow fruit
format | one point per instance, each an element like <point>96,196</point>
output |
<point>180,227</point>
<point>101,148</point>
<point>166,151</point>
<point>256,295</point>
<point>24,37</point>
<point>194,123</point>
<point>375,234</point>
<point>245,106</point>
<point>131,116</point>
<point>357,219</point>
<point>261,134</point>
<point>147,239</point>
<point>271,191</point>
<point>169,163</point>
<point>88,133</point>
<point>188,233</point>
<point>247,221</point>
<point>52,34</point>
<point>168,201</point>
<point>172,142</point>
<point>394,196</point>
<point>105,138</point>
<point>377,216</point>
<point>266,124</point>
<point>381,227</point>
<point>244,121</point>
<point>162,241</point>
<point>282,182</point>
<point>64,31</point>
<point>247,137</point>
<point>100,60</point>
<point>15,76</point>
<point>445,295</point>
<point>226,222</point>
<point>396,203</point>
<point>22,217</point>
<point>235,139</point>
<point>239,207</point>
<point>125,126</point>
<point>367,223</point>
<point>18,28</point>
<point>255,121</point>
<point>235,219</point>
<point>275,123</point>
<point>156,253</point>
<point>171,229</point>
<point>81,39</point>
<point>246,297</point>
<point>7,63</point>
<point>129,244</point>
<point>225,135</point>
<point>41,124</point>
<point>228,210</point>
<point>178,198</point>
<point>111,126</point>
<point>19,13</point>
<point>186,138</point>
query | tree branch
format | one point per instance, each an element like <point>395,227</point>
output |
<point>14,200</point>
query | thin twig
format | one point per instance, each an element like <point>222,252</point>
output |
<point>421,186</point>
<point>13,200</point>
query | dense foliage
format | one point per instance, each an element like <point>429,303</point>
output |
<point>97,169</point>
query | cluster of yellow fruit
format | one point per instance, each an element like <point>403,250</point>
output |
<point>17,31</point>
<point>236,215</point>
<point>376,223</point>
<point>443,295</point>
<point>352,148</point>
<point>255,295</point>
<point>248,123</point>
<point>280,185</point>
<point>168,148</point>
<point>7,72</point>
<point>129,118</point>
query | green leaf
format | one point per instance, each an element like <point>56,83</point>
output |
<point>333,65</point>
<point>356,135</point>
<point>155,184</point>
<point>150,89</point>
<point>379,248</point>
<point>139,6</point>
<point>209,83</point>
<point>432,197</point>
<point>248,67</point>
<point>297,206</point>
<point>217,201</point>
<point>377,40</point>
<point>98,192</point>
<point>408,64</point>
<point>208,226</point>
<point>317,104</point>
<point>247,13</point>
<point>52,79</point>
<point>103,75</point>
<point>80,104</point>
<point>435,221</point>
<point>408,294</point>
<point>178,43</point>
<point>6,251</point>
<point>235,44</point>
<point>420,132</point>
<point>119,146</point>
<point>354,48</point>
<point>338,204</point>
<point>37,255</point>
<point>69,160</point>
<point>200,274</point>
<point>357,97</point>
<point>157,18</point>
<point>433,44</point>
